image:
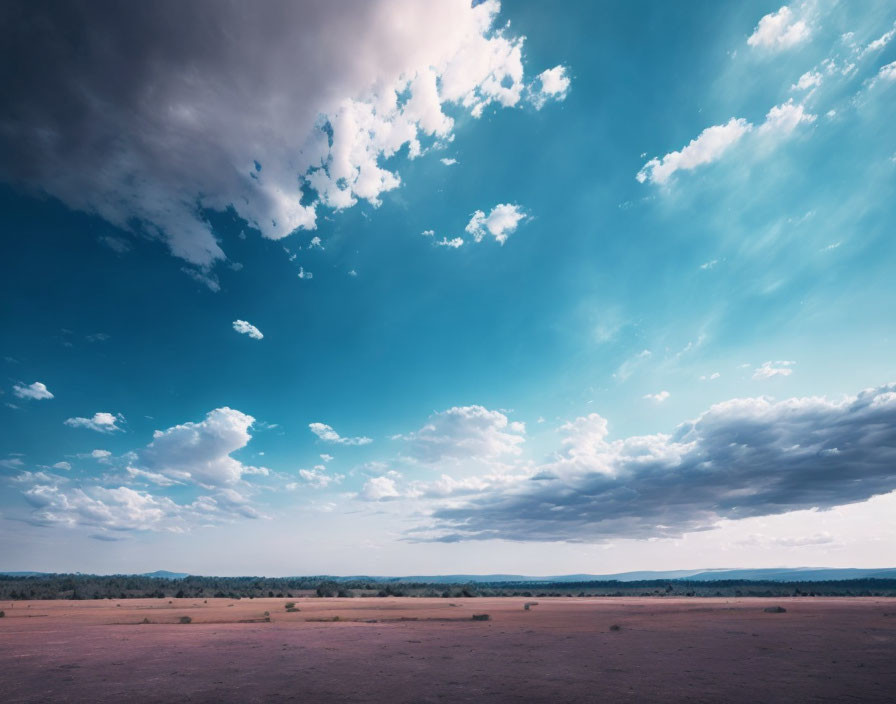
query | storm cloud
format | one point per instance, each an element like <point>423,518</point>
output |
<point>147,114</point>
<point>741,458</point>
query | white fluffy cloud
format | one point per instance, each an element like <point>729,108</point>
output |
<point>712,143</point>
<point>658,397</point>
<point>783,119</point>
<point>100,422</point>
<point>888,72</point>
<point>708,146</point>
<point>501,222</point>
<point>147,145</point>
<point>466,432</point>
<point>379,488</point>
<point>246,328</point>
<point>453,243</point>
<point>810,79</point>
<point>779,30</point>
<point>552,84</point>
<point>767,370</point>
<point>327,434</point>
<point>36,391</point>
<point>200,452</point>
<point>318,477</point>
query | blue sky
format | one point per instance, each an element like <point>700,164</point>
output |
<point>529,290</point>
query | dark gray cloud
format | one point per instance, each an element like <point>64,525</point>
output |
<point>147,112</point>
<point>742,458</point>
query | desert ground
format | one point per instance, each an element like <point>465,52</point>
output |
<point>432,650</point>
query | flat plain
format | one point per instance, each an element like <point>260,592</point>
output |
<point>432,650</point>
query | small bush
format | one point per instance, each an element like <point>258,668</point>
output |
<point>289,605</point>
<point>186,619</point>
<point>529,603</point>
<point>615,627</point>
<point>2,614</point>
<point>267,613</point>
<point>292,610</point>
<point>775,610</point>
<point>146,620</point>
<point>481,617</point>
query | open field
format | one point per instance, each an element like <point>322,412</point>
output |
<point>431,650</point>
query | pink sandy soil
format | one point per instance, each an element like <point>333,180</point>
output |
<point>562,650</point>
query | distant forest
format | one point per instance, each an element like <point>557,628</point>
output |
<point>79,586</point>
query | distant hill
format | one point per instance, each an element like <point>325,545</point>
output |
<point>777,574</point>
<point>165,574</point>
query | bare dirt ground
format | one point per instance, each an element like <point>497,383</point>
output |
<point>431,650</point>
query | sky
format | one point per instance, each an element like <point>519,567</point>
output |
<point>396,287</point>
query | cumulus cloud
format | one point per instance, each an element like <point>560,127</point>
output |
<point>246,328</point>
<point>888,72</point>
<point>113,124</point>
<point>810,79</point>
<point>552,84</point>
<point>327,434</point>
<point>318,477</point>
<point>779,30</point>
<point>713,142</point>
<point>658,397</point>
<point>453,243</point>
<point>448,161</point>
<point>880,42</point>
<point>783,119</point>
<point>200,452</point>
<point>100,422</point>
<point>500,223</point>
<point>122,509</point>
<point>742,458</point>
<point>709,146</point>
<point>62,465</point>
<point>36,391</point>
<point>466,432</point>
<point>767,370</point>
<point>379,488</point>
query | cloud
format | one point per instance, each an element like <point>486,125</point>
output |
<point>712,143</point>
<point>101,422</point>
<point>378,489</point>
<point>114,125</point>
<point>448,162</point>
<point>452,243</point>
<point>779,30</point>
<point>501,222</point>
<point>62,465</point>
<point>553,84</point>
<point>466,432</point>
<point>12,463</point>
<point>247,328</point>
<point>810,79</point>
<point>318,477</point>
<point>100,454</point>
<point>709,146</point>
<point>742,458</point>
<point>304,274</point>
<point>200,452</point>
<point>783,119</point>
<point>710,377</point>
<point>327,434</point>
<point>880,42</point>
<point>888,72</point>
<point>36,391</point>
<point>658,397</point>
<point>769,369</point>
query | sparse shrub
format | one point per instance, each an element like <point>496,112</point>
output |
<point>289,605</point>
<point>267,613</point>
<point>615,627</point>
<point>775,610</point>
<point>186,619</point>
<point>481,617</point>
<point>292,610</point>
<point>146,620</point>
<point>2,614</point>
<point>529,603</point>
